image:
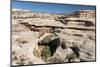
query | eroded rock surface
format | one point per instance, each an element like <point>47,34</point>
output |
<point>40,38</point>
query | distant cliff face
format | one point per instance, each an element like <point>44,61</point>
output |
<point>26,14</point>
<point>40,38</point>
<point>85,13</point>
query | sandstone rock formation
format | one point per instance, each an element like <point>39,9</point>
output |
<point>41,38</point>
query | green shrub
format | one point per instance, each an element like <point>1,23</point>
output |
<point>45,53</point>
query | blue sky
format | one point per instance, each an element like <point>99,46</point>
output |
<point>50,8</point>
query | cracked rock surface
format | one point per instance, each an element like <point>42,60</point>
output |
<point>41,38</point>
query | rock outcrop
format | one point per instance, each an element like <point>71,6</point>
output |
<point>41,38</point>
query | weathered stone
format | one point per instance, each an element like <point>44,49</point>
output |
<point>40,38</point>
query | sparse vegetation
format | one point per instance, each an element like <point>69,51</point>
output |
<point>74,29</point>
<point>45,53</point>
<point>36,53</point>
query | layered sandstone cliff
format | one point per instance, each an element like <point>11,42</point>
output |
<point>75,33</point>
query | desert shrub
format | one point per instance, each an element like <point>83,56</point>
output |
<point>45,53</point>
<point>21,61</point>
<point>36,53</point>
<point>15,58</point>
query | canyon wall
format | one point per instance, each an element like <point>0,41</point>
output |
<point>41,38</point>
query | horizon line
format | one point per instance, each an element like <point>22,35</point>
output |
<point>49,12</point>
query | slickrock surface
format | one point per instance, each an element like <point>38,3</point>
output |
<point>41,38</point>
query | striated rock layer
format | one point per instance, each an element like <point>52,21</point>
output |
<point>41,38</point>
